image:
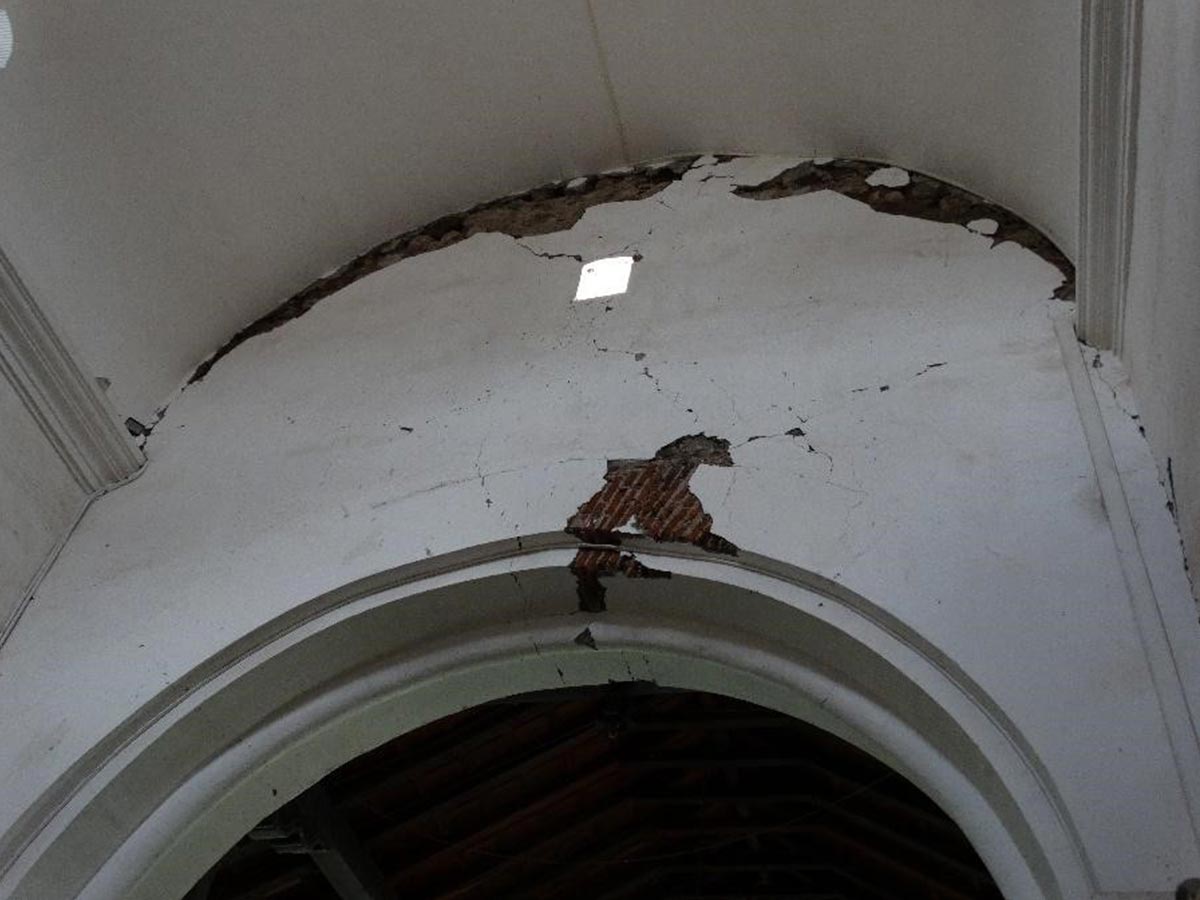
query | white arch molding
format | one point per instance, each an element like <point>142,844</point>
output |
<point>169,792</point>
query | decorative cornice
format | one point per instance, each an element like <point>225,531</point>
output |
<point>66,404</point>
<point>1112,32</point>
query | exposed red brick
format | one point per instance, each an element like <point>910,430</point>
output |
<point>654,495</point>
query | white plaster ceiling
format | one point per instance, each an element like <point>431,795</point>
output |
<point>170,170</point>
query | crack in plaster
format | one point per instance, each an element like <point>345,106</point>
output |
<point>923,197</point>
<point>542,210</point>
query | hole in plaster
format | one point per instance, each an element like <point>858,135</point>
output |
<point>604,278</point>
<point>6,38</point>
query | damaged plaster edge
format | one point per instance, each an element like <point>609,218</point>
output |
<point>574,195</point>
<point>526,214</point>
<point>590,190</point>
<point>1156,522</point>
<point>1178,697</point>
<point>655,495</point>
<point>925,196</point>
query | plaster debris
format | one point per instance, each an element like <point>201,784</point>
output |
<point>922,198</point>
<point>983,226</point>
<point>889,176</point>
<point>654,495</point>
<point>136,428</point>
<point>543,210</point>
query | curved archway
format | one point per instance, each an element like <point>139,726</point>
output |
<point>879,398</point>
<point>404,648</point>
<point>622,791</point>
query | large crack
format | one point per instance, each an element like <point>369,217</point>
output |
<point>543,210</point>
<point>560,205</point>
<point>654,495</point>
<point>922,197</point>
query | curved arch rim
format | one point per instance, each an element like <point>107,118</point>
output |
<point>875,630</point>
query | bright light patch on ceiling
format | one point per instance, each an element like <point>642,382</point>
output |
<point>604,278</point>
<point>6,39</point>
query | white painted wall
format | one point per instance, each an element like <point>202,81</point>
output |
<point>461,397</point>
<point>172,170</point>
<point>1162,325</point>
<point>38,500</point>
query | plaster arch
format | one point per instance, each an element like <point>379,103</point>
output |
<point>261,723</point>
<point>903,411</point>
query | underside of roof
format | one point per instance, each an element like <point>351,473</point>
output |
<point>618,792</point>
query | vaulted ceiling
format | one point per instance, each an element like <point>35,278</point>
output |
<point>619,792</point>
<point>172,170</point>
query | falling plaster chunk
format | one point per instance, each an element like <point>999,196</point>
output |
<point>890,176</point>
<point>983,226</point>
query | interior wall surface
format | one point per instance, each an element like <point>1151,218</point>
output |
<point>39,500</point>
<point>173,170</point>
<point>886,401</point>
<point>1162,321</point>
<point>413,646</point>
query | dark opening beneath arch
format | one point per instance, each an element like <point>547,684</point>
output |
<point>621,792</point>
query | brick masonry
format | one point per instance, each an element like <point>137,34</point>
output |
<point>655,496</point>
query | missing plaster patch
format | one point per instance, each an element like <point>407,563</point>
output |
<point>604,278</point>
<point>543,210</point>
<point>654,496</point>
<point>920,197</point>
